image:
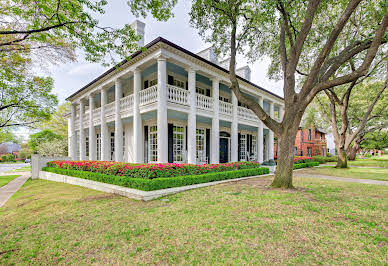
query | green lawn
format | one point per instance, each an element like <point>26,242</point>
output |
<point>6,179</point>
<point>322,222</point>
<point>374,161</point>
<point>21,169</point>
<point>354,172</point>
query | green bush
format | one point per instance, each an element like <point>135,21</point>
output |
<point>324,159</point>
<point>368,155</point>
<point>8,158</point>
<point>158,183</point>
<point>304,165</point>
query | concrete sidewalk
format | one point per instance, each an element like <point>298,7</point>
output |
<point>9,189</point>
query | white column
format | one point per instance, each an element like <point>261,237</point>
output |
<point>73,136</point>
<point>162,111</point>
<point>82,154</point>
<point>92,130</point>
<point>104,127</point>
<point>271,135</point>
<point>260,135</point>
<point>118,122</point>
<point>137,125</point>
<point>215,134</point>
<point>192,119</point>
<point>234,130</point>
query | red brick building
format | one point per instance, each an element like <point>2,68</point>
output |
<point>309,142</point>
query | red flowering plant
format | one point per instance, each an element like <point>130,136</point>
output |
<point>151,170</point>
<point>302,159</point>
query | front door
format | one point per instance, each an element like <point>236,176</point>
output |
<point>224,150</point>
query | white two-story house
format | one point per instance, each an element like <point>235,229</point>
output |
<point>167,104</point>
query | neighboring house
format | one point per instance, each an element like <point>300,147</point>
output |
<point>330,144</point>
<point>9,148</point>
<point>310,142</point>
<point>167,104</point>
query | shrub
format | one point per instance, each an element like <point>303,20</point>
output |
<point>304,165</point>
<point>150,171</point>
<point>368,155</point>
<point>8,158</point>
<point>302,159</point>
<point>324,159</point>
<point>158,183</point>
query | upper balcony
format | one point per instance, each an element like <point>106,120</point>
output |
<point>175,96</point>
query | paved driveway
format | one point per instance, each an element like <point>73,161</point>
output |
<point>11,166</point>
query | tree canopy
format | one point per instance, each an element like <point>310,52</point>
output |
<point>42,137</point>
<point>313,45</point>
<point>57,122</point>
<point>57,28</point>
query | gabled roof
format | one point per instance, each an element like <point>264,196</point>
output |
<point>154,42</point>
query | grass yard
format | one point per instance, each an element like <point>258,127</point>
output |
<point>353,172</point>
<point>323,222</point>
<point>374,161</point>
<point>21,169</point>
<point>6,179</point>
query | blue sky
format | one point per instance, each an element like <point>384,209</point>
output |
<point>72,76</point>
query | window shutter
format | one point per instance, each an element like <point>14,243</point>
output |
<point>238,145</point>
<point>187,85</point>
<point>170,143</point>
<point>146,144</point>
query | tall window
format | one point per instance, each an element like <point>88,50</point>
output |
<point>179,83</point>
<point>98,139</point>
<point>296,151</point>
<point>254,147</point>
<point>309,135</point>
<point>243,147</point>
<point>200,90</point>
<point>112,146</point>
<point>153,82</point>
<point>309,151</point>
<point>153,144</point>
<point>87,146</point>
<point>276,111</point>
<point>178,137</point>
<point>200,145</point>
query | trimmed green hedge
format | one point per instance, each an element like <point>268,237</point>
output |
<point>304,165</point>
<point>158,183</point>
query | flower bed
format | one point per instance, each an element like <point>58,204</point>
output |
<point>302,159</point>
<point>150,171</point>
<point>158,183</point>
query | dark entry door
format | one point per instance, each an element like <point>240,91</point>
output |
<point>224,150</point>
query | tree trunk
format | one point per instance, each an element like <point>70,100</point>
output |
<point>286,143</point>
<point>342,161</point>
<point>355,148</point>
<point>353,152</point>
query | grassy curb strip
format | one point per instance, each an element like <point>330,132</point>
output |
<point>158,183</point>
<point>304,165</point>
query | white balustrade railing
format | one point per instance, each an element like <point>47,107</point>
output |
<point>148,95</point>
<point>126,102</point>
<point>96,113</point>
<point>110,109</point>
<point>226,108</point>
<point>246,113</point>
<point>204,102</point>
<point>177,95</point>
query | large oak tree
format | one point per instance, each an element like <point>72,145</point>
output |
<point>309,43</point>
